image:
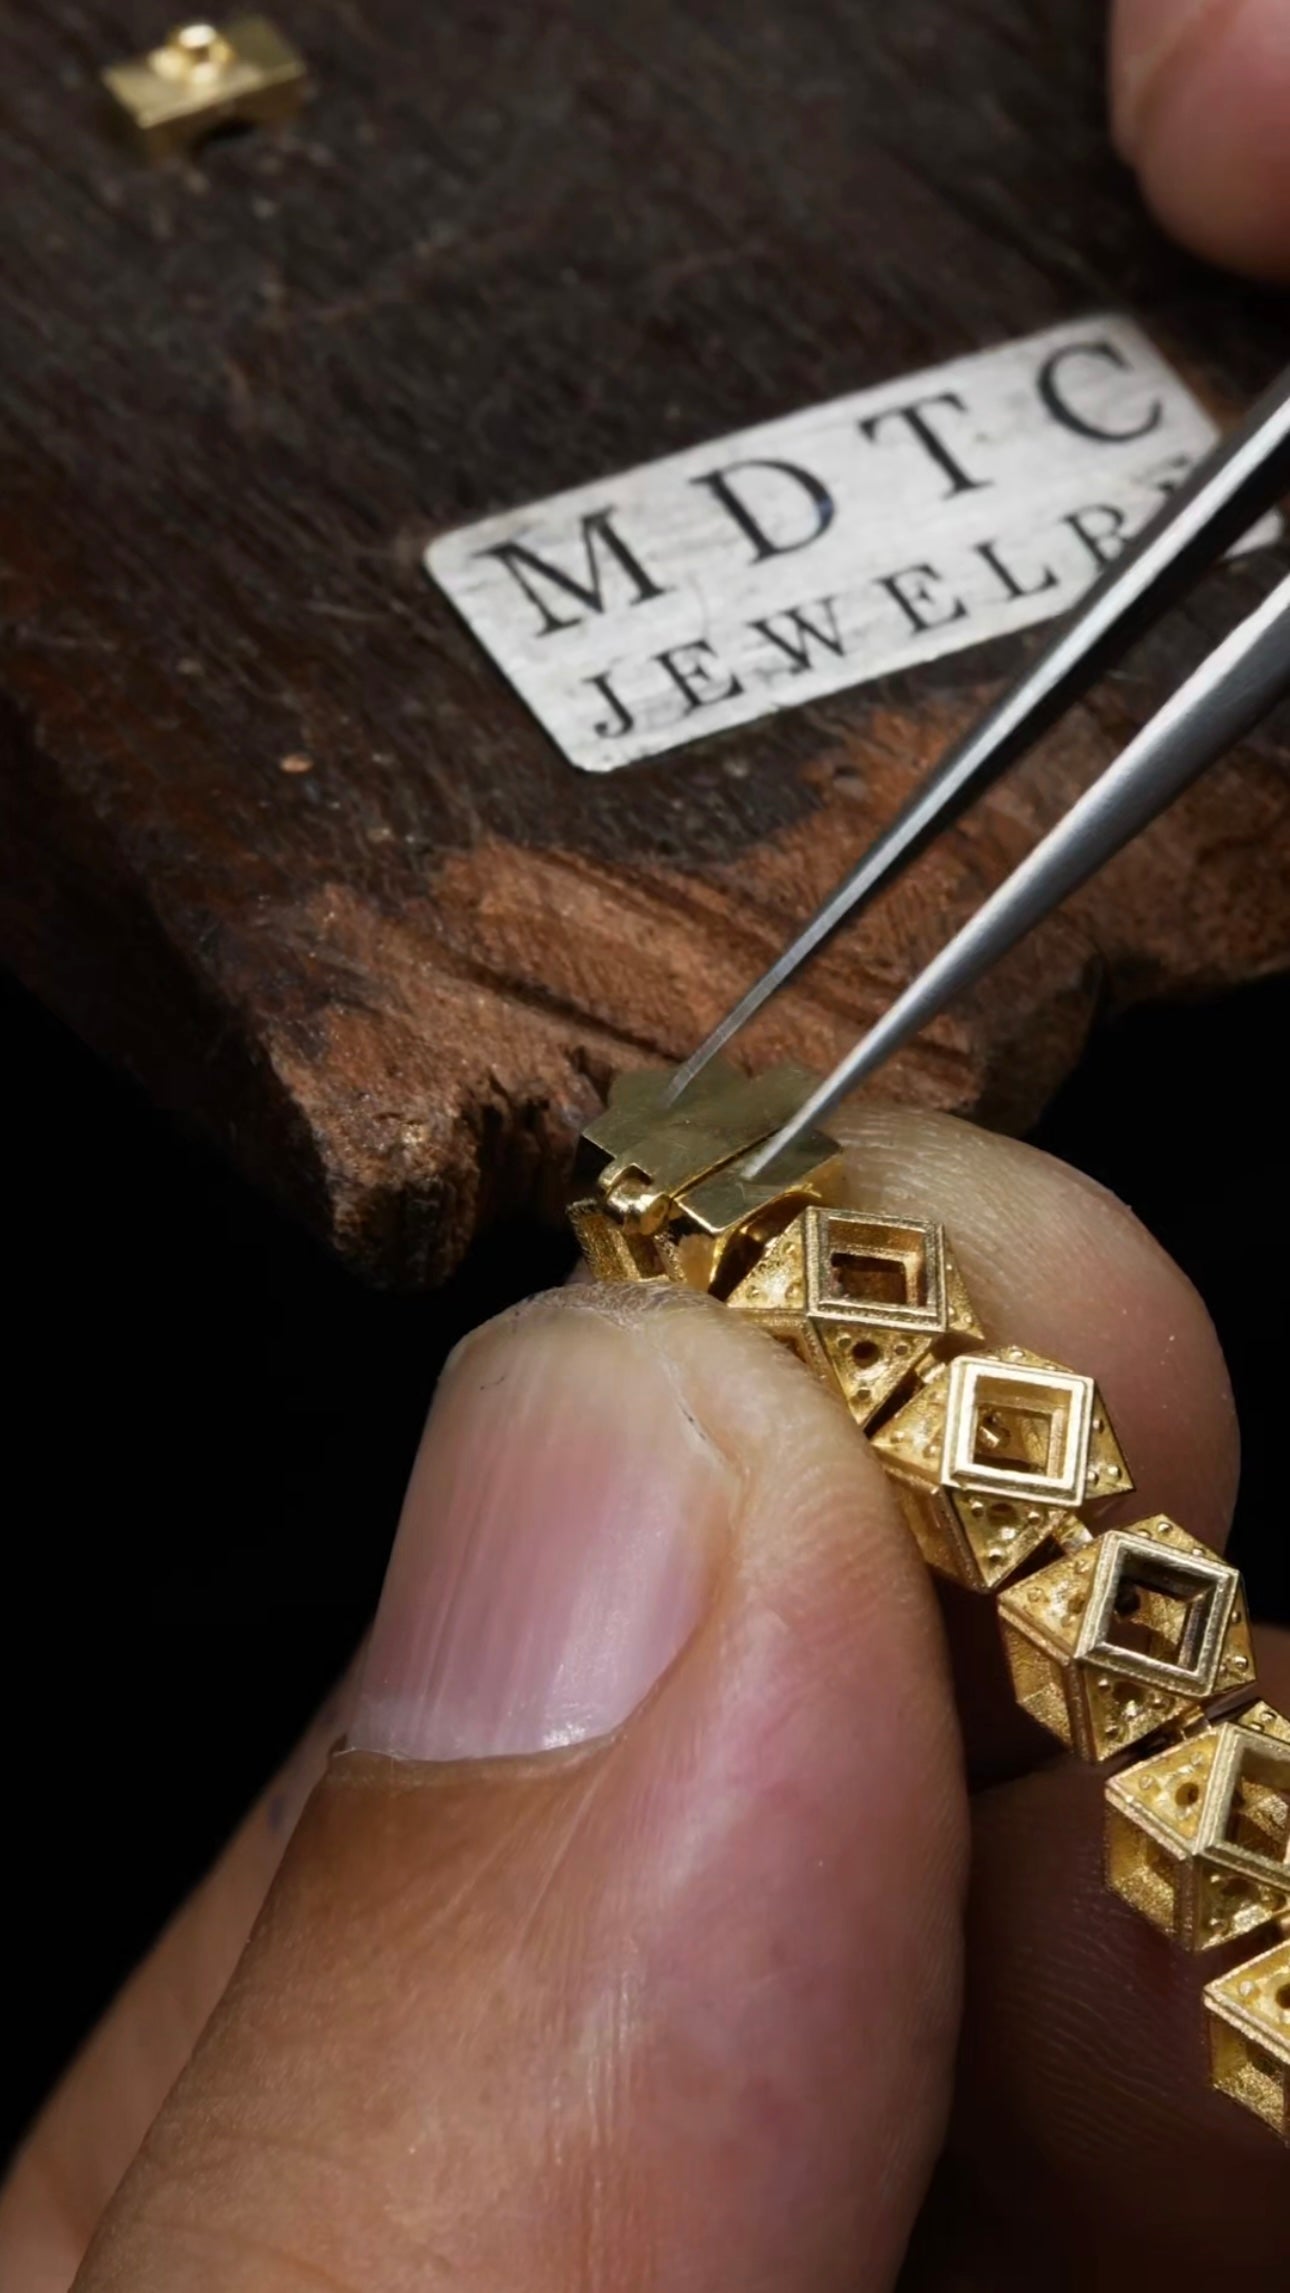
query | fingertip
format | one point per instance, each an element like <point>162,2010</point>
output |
<point>1200,93</point>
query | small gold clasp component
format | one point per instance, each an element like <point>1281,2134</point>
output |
<point>205,76</point>
<point>669,1179</point>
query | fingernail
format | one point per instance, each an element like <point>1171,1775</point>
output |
<point>1147,35</point>
<point>557,1544</point>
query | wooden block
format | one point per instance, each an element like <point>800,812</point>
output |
<point>275,832</point>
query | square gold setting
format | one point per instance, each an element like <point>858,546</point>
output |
<point>1013,1429</point>
<point>1157,1615</point>
<point>885,1272</point>
<point>1245,1818</point>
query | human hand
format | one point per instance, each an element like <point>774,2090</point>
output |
<point>679,2008</point>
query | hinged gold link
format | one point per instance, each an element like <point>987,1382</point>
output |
<point>657,1167</point>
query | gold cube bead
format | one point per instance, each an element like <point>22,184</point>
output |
<point>994,1456</point>
<point>882,1297</point>
<point>1135,1632</point>
<point>1249,2036</point>
<point>1197,1837</point>
<point>887,1300</point>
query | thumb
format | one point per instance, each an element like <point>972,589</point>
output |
<point>620,1949</point>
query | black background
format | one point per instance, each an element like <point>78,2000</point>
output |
<point>209,1425</point>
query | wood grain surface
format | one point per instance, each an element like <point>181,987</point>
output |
<point>275,832</point>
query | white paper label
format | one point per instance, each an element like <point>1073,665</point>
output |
<point>830,546</point>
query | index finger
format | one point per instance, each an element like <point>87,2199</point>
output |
<point>1200,94</point>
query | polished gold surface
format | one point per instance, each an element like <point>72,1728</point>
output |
<point>205,76</point>
<point>1005,1464</point>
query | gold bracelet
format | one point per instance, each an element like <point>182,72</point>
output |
<point>1135,1638</point>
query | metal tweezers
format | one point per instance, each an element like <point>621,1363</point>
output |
<point>1224,495</point>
